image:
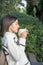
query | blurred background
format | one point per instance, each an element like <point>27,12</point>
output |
<point>30,15</point>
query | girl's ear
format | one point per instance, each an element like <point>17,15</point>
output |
<point>9,28</point>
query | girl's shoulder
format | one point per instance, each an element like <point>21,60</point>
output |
<point>9,35</point>
<point>6,36</point>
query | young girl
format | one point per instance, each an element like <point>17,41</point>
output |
<point>16,50</point>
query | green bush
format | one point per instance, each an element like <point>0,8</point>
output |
<point>35,36</point>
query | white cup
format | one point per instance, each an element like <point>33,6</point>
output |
<point>22,30</point>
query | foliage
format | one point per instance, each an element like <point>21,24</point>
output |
<point>35,36</point>
<point>8,5</point>
<point>41,9</point>
<point>35,8</point>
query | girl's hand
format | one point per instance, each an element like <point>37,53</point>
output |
<point>24,34</point>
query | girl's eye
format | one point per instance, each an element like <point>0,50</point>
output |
<point>16,24</point>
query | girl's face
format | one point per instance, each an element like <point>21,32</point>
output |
<point>14,27</point>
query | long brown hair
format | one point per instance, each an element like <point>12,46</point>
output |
<point>6,22</point>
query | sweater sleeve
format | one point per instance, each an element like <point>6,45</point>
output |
<point>22,43</point>
<point>13,49</point>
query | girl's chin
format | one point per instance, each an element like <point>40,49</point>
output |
<point>16,31</point>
